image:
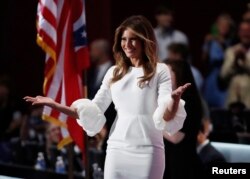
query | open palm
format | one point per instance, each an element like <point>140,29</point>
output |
<point>39,100</point>
<point>176,94</point>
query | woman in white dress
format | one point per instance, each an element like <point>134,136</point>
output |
<point>146,105</point>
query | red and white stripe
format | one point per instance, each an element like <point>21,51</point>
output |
<point>55,26</point>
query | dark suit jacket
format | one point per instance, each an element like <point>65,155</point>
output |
<point>209,155</point>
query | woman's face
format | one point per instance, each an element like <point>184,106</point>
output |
<point>131,44</point>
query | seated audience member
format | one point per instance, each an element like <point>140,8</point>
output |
<point>9,116</point>
<point>96,152</point>
<point>235,72</point>
<point>31,138</point>
<point>246,14</point>
<point>53,137</point>
<point>52,152</point>
<point>165,32</point>
<point>238,119</point>
<point>231,125</point>
<point>10,119</point>
<point>207,153</point>
<point>221,37</point>
<point>33,126</point>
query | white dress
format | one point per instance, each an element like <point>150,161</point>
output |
<point>135,146</point>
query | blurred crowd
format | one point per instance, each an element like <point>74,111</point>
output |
<point>217,104</point>
<point>25,137</point>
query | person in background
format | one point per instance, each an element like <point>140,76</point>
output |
<point>52,152</point>
<point>100,63</point>
<point>6,112</point>
<point>177,52</point>
<point>181,158</point>
<point>33,126</point>
<point>32,137</point>
<point>53,137</point>
<point>213,56</point>
<point>165,32</point>
<point>246,14</point>
<point>10,119</point>
<point>207,153</point>
<point>235,72</point>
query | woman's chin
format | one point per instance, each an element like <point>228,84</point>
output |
<point>131,55</point>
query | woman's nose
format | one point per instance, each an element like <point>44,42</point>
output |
<point>128,44</point>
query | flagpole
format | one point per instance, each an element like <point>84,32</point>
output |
<point>86,161</point>
<point>70,160</point>
<point>86,142</point>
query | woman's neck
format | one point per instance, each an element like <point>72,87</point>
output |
<point>136,62</point>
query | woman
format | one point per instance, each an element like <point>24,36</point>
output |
<point>182,160</point>
<point>142,93</point>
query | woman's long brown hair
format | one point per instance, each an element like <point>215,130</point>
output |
<point>144,31</point>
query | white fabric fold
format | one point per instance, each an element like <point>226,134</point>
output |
<point>91,118</point>
<point>174,125</point>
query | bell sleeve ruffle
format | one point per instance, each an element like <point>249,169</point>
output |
<point>91,112</point>
<point>174,125</point>
<point>91,118</point>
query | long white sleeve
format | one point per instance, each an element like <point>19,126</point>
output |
<point>103,97</point>
<point>91,113</point>
<point>164,98</point>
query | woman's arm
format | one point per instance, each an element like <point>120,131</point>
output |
<point>174,103</point>
<point>176,138</point>
<point>41,100</point>
<point>170,113</point>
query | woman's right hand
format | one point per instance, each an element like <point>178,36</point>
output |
<point>40,100</point>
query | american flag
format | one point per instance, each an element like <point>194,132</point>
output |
<point>61,33</point>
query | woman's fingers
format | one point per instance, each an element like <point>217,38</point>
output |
<point>29,99</point>
<point>181,89</point>
<point>178,92</point>
<point>33,100</point>
<point>186,85</point>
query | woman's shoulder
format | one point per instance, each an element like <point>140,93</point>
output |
<point>161,67</point>
<point>111,69</point>
<point>162,70</point>
<point>109,72</point>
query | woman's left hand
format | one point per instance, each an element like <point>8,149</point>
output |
<point>176,94</point>
<point>173,106</point>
